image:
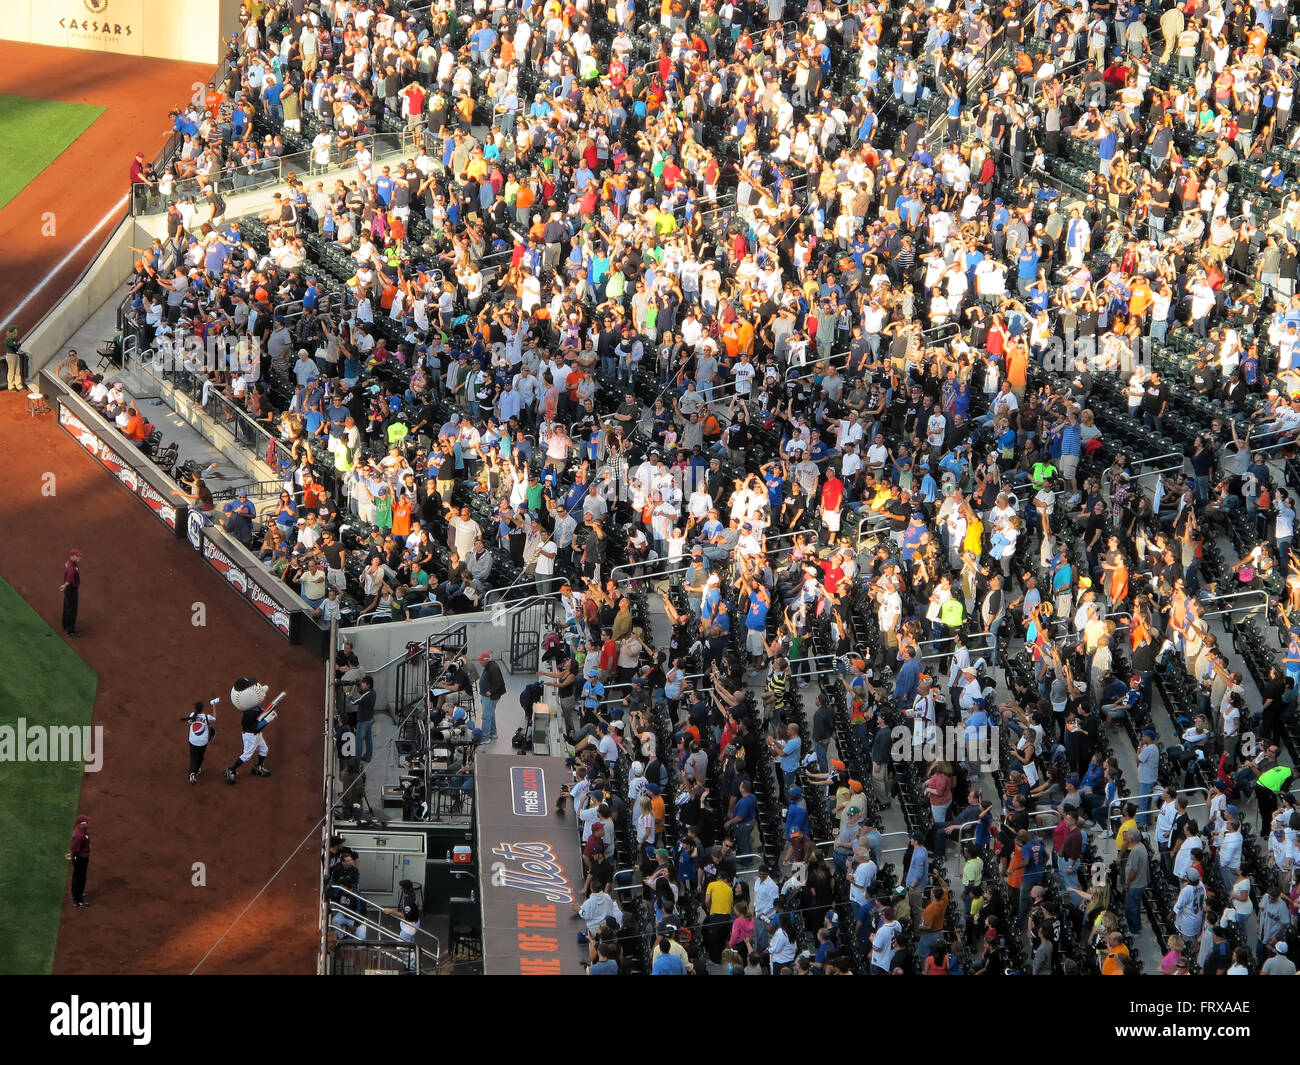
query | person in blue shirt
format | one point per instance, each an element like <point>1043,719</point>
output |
<point>788,749</point>
<point>1031,851</point>
<point>868,127</point>
<point>756,624</point>
<point>858,249</point>
<point>796,816</point>
<point>1027,267</point>
<point>775,485</point>
<point>907,679</point>
<point>912,536</point>
<point>928,491</point>
<point>667,963</point>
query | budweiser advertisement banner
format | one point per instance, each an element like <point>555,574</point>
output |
<point>254,583</point>
<point>135,472</point>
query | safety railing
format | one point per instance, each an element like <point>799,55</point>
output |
<point>940,654</point>
<point>522,583</point>
<point>870,525</point>
<point>414,612</point>
<point>268,171</point>
<point>1116,805</point>
<point>624,571</point>
<point>357,915</point>
<point>247,434</point>
<point>1264,599</point>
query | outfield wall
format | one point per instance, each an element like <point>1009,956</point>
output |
<point>191,31</point>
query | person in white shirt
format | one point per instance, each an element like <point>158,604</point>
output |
<point>781,949</point>
<point>1189,909</point>
<point>883,942</point>
<point>596,908</point>
<point>766,891</point>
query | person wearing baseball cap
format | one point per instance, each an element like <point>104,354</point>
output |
<point>71,589</point>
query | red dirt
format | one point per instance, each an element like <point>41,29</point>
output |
<point>138,590</point>
<point>139,585</point>
<point>83,183</point>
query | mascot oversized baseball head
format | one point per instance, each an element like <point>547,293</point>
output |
<point>247,693</point>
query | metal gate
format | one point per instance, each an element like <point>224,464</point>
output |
<point>528,625</point>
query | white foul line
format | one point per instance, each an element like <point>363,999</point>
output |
<point>113,213</point>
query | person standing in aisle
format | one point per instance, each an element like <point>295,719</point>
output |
<point>491,686</point>
<point>364,705</point>
<point>79,855</point>
<point>71,589</point>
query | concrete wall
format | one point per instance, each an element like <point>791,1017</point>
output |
<point>102,279</point>
<point>187,30</point>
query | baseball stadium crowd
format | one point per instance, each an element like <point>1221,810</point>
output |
<point>934,364</point>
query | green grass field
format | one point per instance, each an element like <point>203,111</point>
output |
<point>43,681</point>
<point>33,133</point>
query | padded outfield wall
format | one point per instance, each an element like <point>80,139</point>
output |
<point>192,31</point>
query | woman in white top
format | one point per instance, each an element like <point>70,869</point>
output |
<point>781,949</point>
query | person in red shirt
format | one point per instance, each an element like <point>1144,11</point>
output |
<point>608,652</point>
<point>79,855</point>
<point>71,589</point>
<point>313,494</point>
<point>832,500</point>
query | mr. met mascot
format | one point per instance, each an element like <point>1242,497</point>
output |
<point>249,698</point>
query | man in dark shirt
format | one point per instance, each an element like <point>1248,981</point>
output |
<point>1155,403</point>
<point>823,728</point>
<point>364,705</point>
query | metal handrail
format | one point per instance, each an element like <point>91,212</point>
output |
<point>518,582</point>
<point>387,950</point>
<point>649,562</point>
<point>1267,599</point>
<point>440,612</point>
<point>354,915</point>
<point>1118,802</point>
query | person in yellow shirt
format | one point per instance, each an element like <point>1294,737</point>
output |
<point>974,539</point>
<point>477,167</point>
<point>718,898</point>
<point>1122,841</point>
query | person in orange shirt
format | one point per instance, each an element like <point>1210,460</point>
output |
<point>136,430</point>
<point>1116,949</point>
<point>1140,299</point>
<point>731,339</point>
<point>744,336</point>
<point>1016,867</point>
<point>402,510</point>
<point>1017,356</point>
